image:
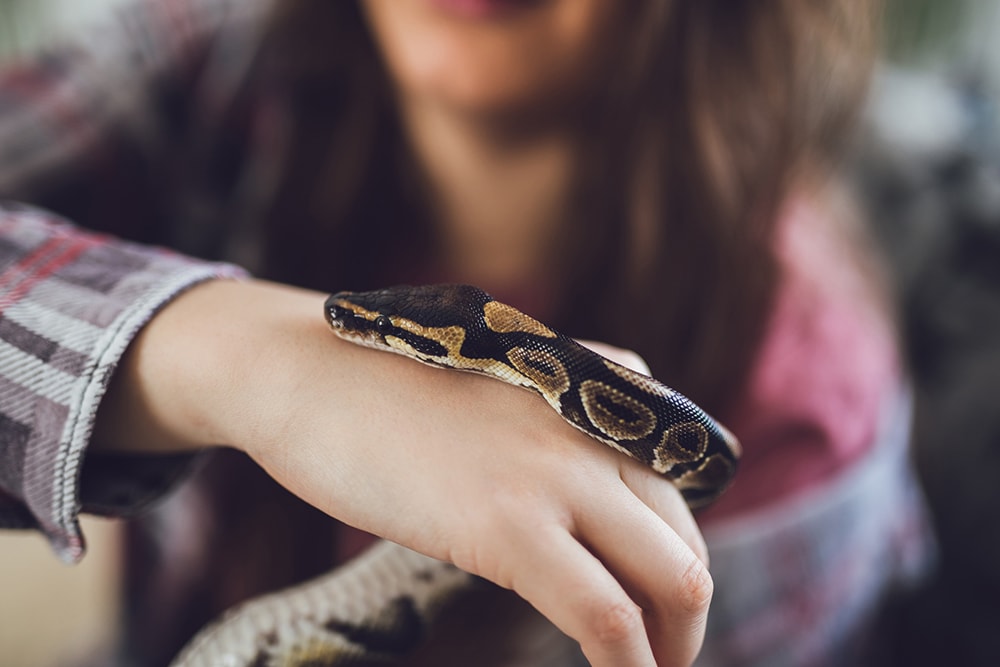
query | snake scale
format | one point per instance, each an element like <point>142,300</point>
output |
<point>378,608</point>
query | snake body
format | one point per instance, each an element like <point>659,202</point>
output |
<point>379,608</point>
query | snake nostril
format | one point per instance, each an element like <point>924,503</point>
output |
<point>337,316</point>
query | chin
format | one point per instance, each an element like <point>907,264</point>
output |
<point>491,55</point>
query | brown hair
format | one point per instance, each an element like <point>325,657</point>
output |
<point>725,103</point>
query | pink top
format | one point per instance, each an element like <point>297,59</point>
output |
<point>827,366</point>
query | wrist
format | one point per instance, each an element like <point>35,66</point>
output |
<point>211,368</point>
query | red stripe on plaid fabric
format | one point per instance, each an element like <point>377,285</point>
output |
<point>49,258</point>
<point>24,264</point>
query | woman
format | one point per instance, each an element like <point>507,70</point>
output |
<point>658,177</point>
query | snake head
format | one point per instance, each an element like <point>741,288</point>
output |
<point>376,319</point>
<point>429,323</point>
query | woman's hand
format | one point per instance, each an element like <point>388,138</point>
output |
<point>457,466</point>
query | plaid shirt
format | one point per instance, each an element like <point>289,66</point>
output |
<point>121,134</point>
<point>79,129</point>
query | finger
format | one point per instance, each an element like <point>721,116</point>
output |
<point>667,502</point>
<point>656,568</point>
<point>567,584</point>
<point>620,355</point>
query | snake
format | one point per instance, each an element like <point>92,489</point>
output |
<point>380,607</point>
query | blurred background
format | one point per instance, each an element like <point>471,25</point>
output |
<point>25,24</point>
<point>928,169</point>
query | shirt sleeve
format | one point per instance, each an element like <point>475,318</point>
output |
<point>97,129</point>
<point>70,303</point>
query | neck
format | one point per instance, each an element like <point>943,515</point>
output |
<point>499,192</point>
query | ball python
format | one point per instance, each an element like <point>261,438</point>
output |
<point>378,608</point>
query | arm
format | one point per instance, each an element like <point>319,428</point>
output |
<point>454,465</point>
<point>457,466</point>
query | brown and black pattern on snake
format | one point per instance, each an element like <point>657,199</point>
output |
<point>375,610</point>
<point>462,327</point>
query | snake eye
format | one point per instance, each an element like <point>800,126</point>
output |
<point>383,324</point>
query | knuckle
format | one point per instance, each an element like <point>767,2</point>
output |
<point>617,622</point>
<point>700,549</point>
<point>636,362</point>
<point>696,588</point>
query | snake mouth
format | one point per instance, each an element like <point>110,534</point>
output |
<point>335,317</point>
<point>347,318</point>
<point>347,323</point>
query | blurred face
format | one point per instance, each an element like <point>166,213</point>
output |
<point>489,56</point>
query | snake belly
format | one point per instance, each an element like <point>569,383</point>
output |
<point>378,608</point>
